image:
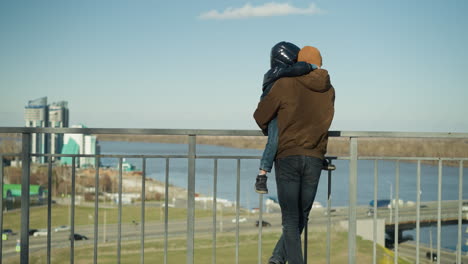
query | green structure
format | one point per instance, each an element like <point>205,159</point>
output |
<point>127,166</point>
<point>14,190</point>
<point>79,144</point>
<point>71,147</point>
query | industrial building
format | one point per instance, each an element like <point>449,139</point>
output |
<point>37,113</point>
<point>58,117</point>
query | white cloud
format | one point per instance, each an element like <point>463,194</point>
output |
<point>268,9</point>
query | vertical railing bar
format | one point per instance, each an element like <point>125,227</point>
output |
<point>237,210</point>
<point>431,249</point>
<point>439,210</point>
<point>460,205</point>
<point>191,199</point>
<point>25,181</point>
<point>306,240</point>
<point>418,209</point>
<point>353,166</point>
<point>260,227</point>
<point>166,211</point>
<point>96,208</point>
<point>72,211</point>
<point>143,198</point>
<point>119,224</point>
<point>215,186</point>
<point>374,233</point>
<point>397,210</point>
<point>1,204</point>
<point>329,214</point>
<point>49,206</point>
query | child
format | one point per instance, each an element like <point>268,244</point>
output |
<point>284,63</point>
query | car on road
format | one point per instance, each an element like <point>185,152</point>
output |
<point>332,212</point>
<point>78,237</point>
<point>380,203</point>
<point>7,232</point>
<point>434,256</point>
<point>62,228</point>
<point>241,220</point>
<point>465,207</point>
<point>264,223</point>
<point>40,232</point>
<point>32,231</point>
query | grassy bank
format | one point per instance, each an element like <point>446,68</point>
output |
<point>84,215</point>
<point>225,250</point>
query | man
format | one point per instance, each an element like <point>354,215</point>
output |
<point>283,64</point>
<point>304,108</point>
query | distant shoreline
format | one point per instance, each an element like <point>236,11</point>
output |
<point>371,147</point>
<point>337,147</point>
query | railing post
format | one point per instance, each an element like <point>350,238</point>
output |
<point>260,227</point>
<point>143,198</point>
<point>119,217</point>
<point>25,157</point>
<point>97,161</point>
<point>49,207</point>
<point>396,236</point>
<point>1,203</point>
<point>72,210</point>
<point>374,225</point>
<point>215,204</point>
<point>439,210</point>
<point>418,208</point>
<point>331,166</point>
<point>166,211</point>
<point>238,211</point>
<point>460,205</point>
<point>191,199</point>
<point>353,153</point>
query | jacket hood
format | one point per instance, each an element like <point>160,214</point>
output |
<point>317,81</point>
<point>311,55</point>
<point>283,54</point>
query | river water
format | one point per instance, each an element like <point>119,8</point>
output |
<point>227,179</point>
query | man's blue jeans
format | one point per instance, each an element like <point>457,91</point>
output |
<point>297,179</point>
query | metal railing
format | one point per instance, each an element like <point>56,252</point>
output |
<point>192,156</point>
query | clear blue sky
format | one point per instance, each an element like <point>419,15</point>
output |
<point>396,65</point>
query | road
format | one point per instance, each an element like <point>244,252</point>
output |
<point>153,230</point>
<point>408,251</point>
<point>178,228</point>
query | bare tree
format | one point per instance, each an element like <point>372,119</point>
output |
<point>10,146</point>
<point>12,175</point>
<point>106,183</point>
<point>61,179</point>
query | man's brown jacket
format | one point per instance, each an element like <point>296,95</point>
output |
<point>304,107</point>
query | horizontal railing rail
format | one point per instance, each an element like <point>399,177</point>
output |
<point>192,156</point>
<point>221,132</point>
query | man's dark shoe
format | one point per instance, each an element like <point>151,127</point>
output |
<point>274,261</point>
<point>261,184</point>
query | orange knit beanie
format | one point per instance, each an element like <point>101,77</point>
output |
<point>311,55</point>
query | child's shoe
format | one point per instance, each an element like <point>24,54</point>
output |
<point>327,166</point>
<point>261,184</point>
